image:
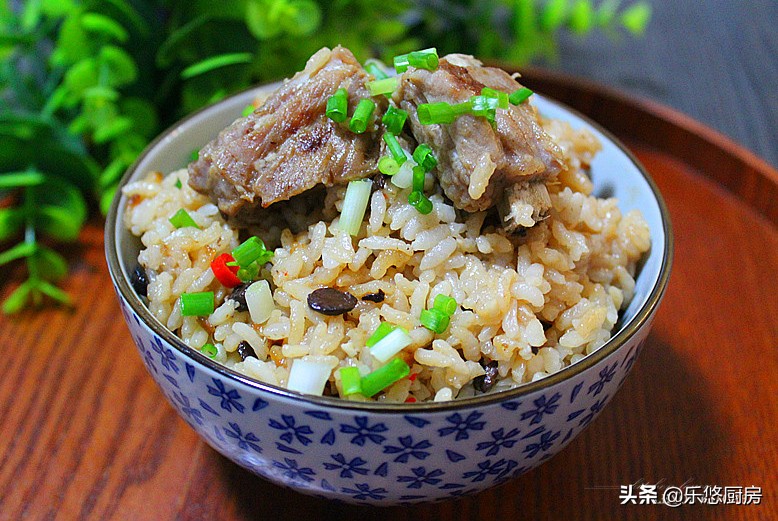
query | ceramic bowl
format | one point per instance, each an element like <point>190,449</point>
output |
<point>388,454</point>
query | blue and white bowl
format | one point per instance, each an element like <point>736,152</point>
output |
<point>384,454</point>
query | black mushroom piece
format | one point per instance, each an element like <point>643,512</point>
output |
<point>331,302</point>
<point>239,296</point>
<point>486,381</point>
<point>245,350</point>
<point>378,296</point>
<point>139,280</point>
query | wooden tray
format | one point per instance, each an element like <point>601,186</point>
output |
<point>85,434</point>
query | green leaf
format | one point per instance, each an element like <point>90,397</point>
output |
<point>262,18</point>
<point>57,223</point>
<point>11,221</point>
<point>581,17</point>
<point>143,115</point>
<point>31,14</point>
<point>121,67</point>
<point>20,251</point>
<point>57,8</point>
<point>178,40</point>
<point>19,179</point>
<point>113,129</point>
<point>215,62</point>
<point>105,25</point>
<point>73,43</point>
<point>112,172</point>
<point>51,265</point>
<point>635,18</point>
<point>53,292</point>
<point>553,15</point>
<point>302,17</point>
<point>18,299</point>
<point>107,198</point>
<point>82,76</point>
<point>60,209</point>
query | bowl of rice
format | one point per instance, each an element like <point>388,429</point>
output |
<point>386,400</point>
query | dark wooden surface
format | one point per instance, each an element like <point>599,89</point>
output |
<point>85,434</point>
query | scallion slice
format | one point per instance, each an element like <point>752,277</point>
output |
<point>435,320</point>
<point>197,304</point>
<point>385,86</point>
<point>354,205</point>
<point>182,219</point>
<point>484,106</point>
<point>252,250</point>
<point>442,112</point>
<point>381,331</point>
<point>418,179</point>
<point>308,377</point>
<point>394,342</point>
<point>337,106</point>
<point>350,381</point>
<point>384,376</point>
<point>404,177</point>
<point>376,68</point>
<point>419,201</point>
<point>501,97</point>
<point>394,148</point>
<point>444,303</point>
<point>362,115</point>
<point>521,95</point>
<point>425,59</point>
<point>394,119</point>
<point>424,157</point>
<point>388,166</point>
<point>209,350</point>
<point>248,109</point>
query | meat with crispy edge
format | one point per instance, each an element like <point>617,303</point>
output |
<point>288,145</point>
<point>481,165</point>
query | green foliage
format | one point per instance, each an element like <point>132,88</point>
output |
<point>86,84</point>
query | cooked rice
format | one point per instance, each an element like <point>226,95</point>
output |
<point>535,303</point>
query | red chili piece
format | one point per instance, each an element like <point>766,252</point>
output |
<point>227,275</point>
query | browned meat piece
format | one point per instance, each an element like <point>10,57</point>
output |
<point>481,166</point>
<point>288,145</point>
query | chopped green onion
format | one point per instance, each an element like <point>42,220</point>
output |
<point>385,86</point>
<point>337,106</point>
<point>384,376</point>
<point>419,201</point>
<point>252,250</point>
<point>484,106</point>
<point>376,68</point>
<point>404,177</point>
<point>249,273</point>
<point>197,304</point>
<point>501,97</point>
<point>424,157</point>
<point>350,381</point>
<point>426,59</point>
<point>354,205</point>
<point>381,331</point>
<point>435,320</point>
<point>446,304</point>
<point>394,342</point>
<point>195,155</point>
<point>388,166</point>
<point>248,109</point>
<point>394,119</point>
<point>259,300</point>
<point>394,147</point>
<point>181,219</point>
<point>209,350</point>
<point>418,179</point>
<point>308,377</point>
<point>178,184</point>
<point>520,95</point>
<point>362,114</point>
<point>442,112</point>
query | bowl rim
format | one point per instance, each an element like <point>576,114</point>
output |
<point>641,318</point>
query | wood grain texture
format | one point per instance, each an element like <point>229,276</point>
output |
<point>85,434</point>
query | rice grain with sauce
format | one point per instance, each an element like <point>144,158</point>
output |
<point>530,303</point>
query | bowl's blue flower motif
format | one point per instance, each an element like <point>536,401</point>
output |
<point>230,398</point>
<point>487,468</point>
<point>363,492</point>
<point>347,468</point>
<point>186,408</point>
<point>500,439</point>
<point>292,470</point>
<point>245,441</point>
<point>292,431</point>
<point>606,375</point>
<point>364,432</point>
<point>422,477</point>
<point>166,356</point>
<point>408,449</point>
<point>543,444</point>
<point>462,426</point>
<point>542,407</point>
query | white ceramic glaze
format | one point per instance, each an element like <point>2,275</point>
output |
<point>389,454</point>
